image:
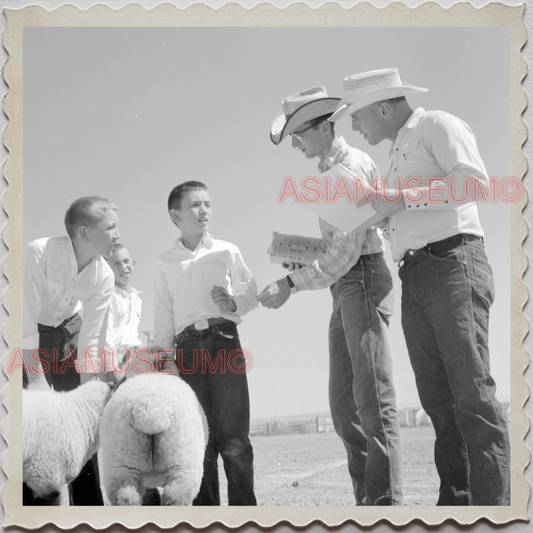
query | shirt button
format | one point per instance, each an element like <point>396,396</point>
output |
<point>411,252</point>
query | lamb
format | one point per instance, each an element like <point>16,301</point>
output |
<point>60,434</point>
<point>153,434</point>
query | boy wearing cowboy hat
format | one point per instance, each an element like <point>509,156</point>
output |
<point>361,392</point>
<point>447,283</point>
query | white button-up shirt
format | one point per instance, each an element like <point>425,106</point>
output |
<point>435,162</point>
<point>54,291</point>
<point>342,249</point>
<point>124,319</point>
<point>184,278</point>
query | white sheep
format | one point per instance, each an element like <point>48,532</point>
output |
<point>60,434</point>
<point>153,433</point>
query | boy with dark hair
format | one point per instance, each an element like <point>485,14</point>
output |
<point>202,288</point>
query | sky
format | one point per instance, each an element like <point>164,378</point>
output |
<point>128,113</point>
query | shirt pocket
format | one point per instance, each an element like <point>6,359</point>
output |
<point>417,161</point>
<point>215,270</point>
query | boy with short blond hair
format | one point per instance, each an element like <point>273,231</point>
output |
<point>59,274</point>
<point>202,288</point>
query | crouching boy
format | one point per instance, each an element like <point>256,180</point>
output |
<point>202,288</point>
<point>60,274</point>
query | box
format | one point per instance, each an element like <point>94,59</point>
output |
<point>294,248</point>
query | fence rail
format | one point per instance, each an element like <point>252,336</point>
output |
<point>409,417</point>
<point>309,425</point>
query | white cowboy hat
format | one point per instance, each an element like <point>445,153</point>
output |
<point>369,87</point>
<point>300,108</point>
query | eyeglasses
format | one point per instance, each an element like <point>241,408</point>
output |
<point>298,135</point>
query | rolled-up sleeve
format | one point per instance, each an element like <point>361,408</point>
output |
<point>342,252</point>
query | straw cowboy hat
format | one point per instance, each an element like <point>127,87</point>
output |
<point>300,108</point>
<point>361,90</point>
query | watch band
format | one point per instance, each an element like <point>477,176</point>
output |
<point>291,285</point>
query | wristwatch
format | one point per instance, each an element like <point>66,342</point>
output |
<point>291,285</point>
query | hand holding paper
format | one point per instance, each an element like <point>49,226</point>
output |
<point>343,203</point>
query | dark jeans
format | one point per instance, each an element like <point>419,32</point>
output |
<point>85,489</point>
<point>447,290</point>
<point>361,391</point>
<point>60,372</point>
<point>210,362</point>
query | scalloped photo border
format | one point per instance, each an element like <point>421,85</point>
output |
<point>263,15</point>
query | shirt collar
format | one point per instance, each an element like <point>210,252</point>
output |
<point>411,122</point>
<point>70,255</point>
<point>68,249</point>
<point>130,290</point>
<point>415,117</point>
<point>206,242</point>
<point>338,144</point>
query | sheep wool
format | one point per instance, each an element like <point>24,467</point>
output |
<point>153,434</point>
<point>60,434</point>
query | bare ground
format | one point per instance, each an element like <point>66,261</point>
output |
<point>311,469</point>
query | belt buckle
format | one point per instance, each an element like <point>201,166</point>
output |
<point>201,324</point>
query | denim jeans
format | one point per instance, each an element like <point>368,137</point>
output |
<point>447,290</point>
<point>361,391</point>
<point>209,361</point>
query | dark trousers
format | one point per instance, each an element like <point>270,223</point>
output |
<point>211,362</point>
<point>61,374</point>
<point>447,290</point>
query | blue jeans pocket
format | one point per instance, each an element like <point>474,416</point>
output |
<point>483,275</point>
<point>226,331</point>
<point>179,339</point>
<point>382,289</point>
<point>445,253</point>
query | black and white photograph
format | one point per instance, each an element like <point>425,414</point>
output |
<point>264,265</point>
